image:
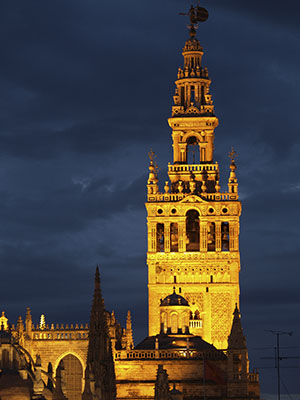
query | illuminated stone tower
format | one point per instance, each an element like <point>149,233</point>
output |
<point>193,226</point>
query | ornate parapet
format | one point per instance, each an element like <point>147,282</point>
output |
<point>175,197</point>
<point>167,354</point>
<point>193,256</point>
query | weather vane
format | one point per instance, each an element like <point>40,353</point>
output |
<point>232,155</point>
<point>152,157</point>
<point>196,14</point>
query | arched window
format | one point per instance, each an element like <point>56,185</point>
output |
<point>163,322</point>
<point>174,323</point>
<point>174,236</point>
<point>192,151</point>
<point>192,231</point>
<point>73,377</point>
<point>160,238</point>
<point>211,236</point>
<point>185,322</point>
<point>225,236</point>
<point>197,315</point>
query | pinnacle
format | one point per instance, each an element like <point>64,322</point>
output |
<point>236,339</point>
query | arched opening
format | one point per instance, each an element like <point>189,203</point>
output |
<point>160,238</point>
<point>185,322</point>
<point>163,323</point>
<point>73,377</point>
<point>174,323</point>
<point>5,359</point>
<point>192,231</point>
<point>197,315</point>
<point>15,360</point>
<point>211,236</point>
<point>225,236</point>
<point>174,236</point>
<point>192,151</point>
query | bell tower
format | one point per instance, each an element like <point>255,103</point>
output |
<point>193,226</point>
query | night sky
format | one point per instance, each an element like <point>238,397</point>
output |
<point>86,90</point>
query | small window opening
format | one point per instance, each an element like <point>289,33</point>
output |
<point>160,238</point>
<point>225,236</point>
<point>192,231</point>
<point>193,94</point>
<point>211,236</point>
<point>193,153</point>
<point>174,236</point>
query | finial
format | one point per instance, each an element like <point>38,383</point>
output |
<point>232,155</point>
<point>236,310</point>
<point>97,278</point>
<point>167,187</point>
<point>38,362</point>
<point>153,163</point>
<point>42,322</point>
<point>151,155</point>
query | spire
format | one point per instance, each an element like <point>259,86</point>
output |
<point>129,336</point>
<point>162,390</point>
<point>3,322</point>
<point>232,181</point>
<point>99,358</point>
<point>152,183</point>
<point>192,96</point>
<point>236,339</point>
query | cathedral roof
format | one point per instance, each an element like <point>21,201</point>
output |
<point>174,299</point>
<point>5,337</point>
<point>172,342</point>
<point>13,387</point>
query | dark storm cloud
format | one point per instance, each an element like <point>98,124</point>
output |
<point>86,90</point>
<point>282,13</point>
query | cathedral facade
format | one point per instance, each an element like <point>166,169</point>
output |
<point>196,343</point>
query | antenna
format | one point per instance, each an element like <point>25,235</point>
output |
<point>278,357</point>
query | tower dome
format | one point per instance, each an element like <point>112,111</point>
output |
<point>174,299</point>
<point>174,314</point>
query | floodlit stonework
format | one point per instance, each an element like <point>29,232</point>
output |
<point>196,348</point>
<point>193,227</point>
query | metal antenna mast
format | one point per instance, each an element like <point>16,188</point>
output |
<point>277,356</point>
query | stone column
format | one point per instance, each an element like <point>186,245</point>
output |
<point>151,237</point>
<point>218,236</point>
<point>167,237</point>
<point>181,237</point>
<point>231,237</point>
<point>203,236</point>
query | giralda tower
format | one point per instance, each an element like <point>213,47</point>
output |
<point>193,226</point>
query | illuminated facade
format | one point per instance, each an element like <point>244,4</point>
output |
<point>195,341</point>
<point>193,227</point>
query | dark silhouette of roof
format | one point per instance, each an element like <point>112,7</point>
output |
<point>174,299</point>
<point>5,337</point>
<point>169,342</point>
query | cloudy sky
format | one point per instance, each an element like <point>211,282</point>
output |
<point>86,90</point>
